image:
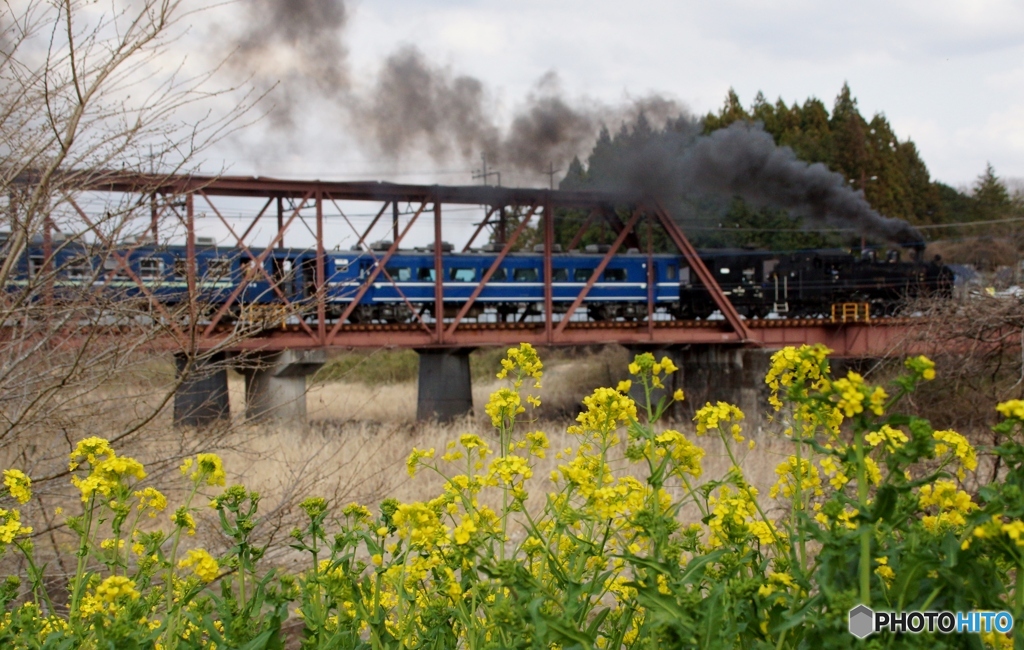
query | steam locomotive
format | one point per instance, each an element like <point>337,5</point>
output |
<point>801,283</point>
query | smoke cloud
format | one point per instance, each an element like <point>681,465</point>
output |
<point>296,45</point>
<point>743,160</point>
<point>415,106</point>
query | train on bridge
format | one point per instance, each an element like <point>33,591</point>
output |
<point>758,283</point>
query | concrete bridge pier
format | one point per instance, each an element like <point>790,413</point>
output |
<point>202,397</point>
<point>710,373</point>
<point>714,373</point>
<point>445,389</point>
<point>275,384</point>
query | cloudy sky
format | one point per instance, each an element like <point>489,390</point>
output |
<point>948,74</point>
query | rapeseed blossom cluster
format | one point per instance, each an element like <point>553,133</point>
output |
<point>921,366</point>
<point>796,369</point>
<point>794,472</point>
<point>202,564</point>
<point>952,504</point>
<point>649,370</point>
<point>851,393</point>
<point>606,410</point>
<point>1013,408</point>
<point>522,362</point>
<point>620,530</point>
<point>959,447</point>
<point>733,518</point>
<point>10,526</point>
<point>686,456</point>
<point>18,485</point>
<point>503,407</point>
<point>893,438</point>
<point>713,416</point>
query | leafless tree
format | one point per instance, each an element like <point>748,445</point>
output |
<point>91,89</point>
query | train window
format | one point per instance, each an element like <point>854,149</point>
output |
<point>218,267</point>
<point>250,269</point>
<point>399,273</point>
<point>500,275</point>
<point>582,275</point>
<point>615,275</point>
<point>670,272</point>
<point>340,265</point>
<point>181,267</point>
<point>768,267</point>
<point>426,274</point>
<point>151,267</point>
<point>35,265</point>
<point>559,275</point>
<point>525,275</point>
<point>462,275</point>
<point>113,266</point>
<point>365,268</point>
<point>79,268</point>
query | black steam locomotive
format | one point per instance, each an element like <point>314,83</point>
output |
<point>807,283</point>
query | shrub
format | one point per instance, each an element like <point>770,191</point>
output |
<point>871,506</point>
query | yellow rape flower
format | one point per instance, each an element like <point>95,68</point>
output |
<point>182,518</point>
<point>794,369</point>
<point>712,416</point>
<point>90,450</point>
<point>107,475</point>
<point>788,470</point>
<point>893,438</point>
<point>416,457</point>
<point>605,410</point>
<point>18,484</point>
<point>951,441</point>
<point>151,498</point>
<point>114,588</point>
<point>503,406</point>
<point>921,366</point>
<point>10,526</point>
<point>884,571</point>
<point>1013,408</point>
<point>685,455</point>
<point>202,564</point>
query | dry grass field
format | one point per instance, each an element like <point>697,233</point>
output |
<point>359,435</point>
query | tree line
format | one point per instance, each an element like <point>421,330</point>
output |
<point>868,153</point>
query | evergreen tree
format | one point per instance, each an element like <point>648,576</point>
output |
<point>991,199</point>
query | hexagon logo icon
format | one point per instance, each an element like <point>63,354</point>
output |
<point>862,621</point>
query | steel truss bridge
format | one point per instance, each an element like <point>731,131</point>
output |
<point>632,219</point>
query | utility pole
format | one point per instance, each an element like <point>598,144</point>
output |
<point>551,171</point>
<point>483,173</point>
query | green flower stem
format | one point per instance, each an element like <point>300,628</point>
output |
<point>746,488</point>
<point>171,640</point>
<point>798,502</point>
<point>865,529</point>
<point>36,575</point>
<point>1018,594</point>
<point>83,552</point>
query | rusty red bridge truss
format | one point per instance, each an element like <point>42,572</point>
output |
<point>632,219</point>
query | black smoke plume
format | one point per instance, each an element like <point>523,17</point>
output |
<point>415,106</point>
<point>743,160</point>
<point>295,45</point>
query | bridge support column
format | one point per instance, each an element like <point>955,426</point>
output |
<point>445,384</point>
<point>202,397</point>
<point>713,373</point>
<point>275,384</point>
